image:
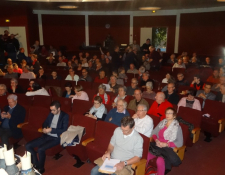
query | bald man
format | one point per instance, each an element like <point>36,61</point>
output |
<point>159,106</point>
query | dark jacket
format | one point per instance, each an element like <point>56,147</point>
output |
<point>44,77</point>
<point>219,97</point>
<point>65,92</point>
<point>173,98</point>
<point>18,90</point>
<point>62,124</point>
<point>130,58</point>
<point>36,67</point>
<point>18,116</point>
<point>116,61</point>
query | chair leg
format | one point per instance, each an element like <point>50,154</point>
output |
<point>79,163</point>
<point>57,156</point>
<point>207,137</point>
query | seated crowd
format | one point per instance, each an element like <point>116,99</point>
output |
<point>127,87</point>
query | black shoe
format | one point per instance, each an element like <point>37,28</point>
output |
<point>41,170</point>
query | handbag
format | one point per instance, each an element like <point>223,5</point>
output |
<point>150,170</point>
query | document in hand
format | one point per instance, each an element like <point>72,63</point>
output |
<point>108,166</point>
<point>107,87</point>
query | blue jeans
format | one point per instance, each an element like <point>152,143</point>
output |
<point>94,171</point>
<point>42,143</point>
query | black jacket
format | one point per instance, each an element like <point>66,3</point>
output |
<point>65,92</point>
<point>19,90</point>
<point>219,97</point>
<point>18,116</point>
<point>173,98</point>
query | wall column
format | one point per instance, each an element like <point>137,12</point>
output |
<point>86,31</point>
<point>41,39</point>
<point>177,31</point>
<point>131,29</point>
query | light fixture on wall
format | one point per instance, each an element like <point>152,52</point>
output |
<point>150,8</point>
<point>68,6</point>
<point>71,0</point>
<point>221,0</point>
<point>7,20</point>
<point>153,11</point>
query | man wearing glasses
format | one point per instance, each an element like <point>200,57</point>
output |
<point>85,76</point>
<point>143,122</point>
<point>133,87</point>
<point>55,124</point>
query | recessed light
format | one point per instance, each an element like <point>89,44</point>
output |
<point>149,8</point>
<point>7,20</point>
<point>68,6</point>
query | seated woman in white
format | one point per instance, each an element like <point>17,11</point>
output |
<point>79,94</point>
<point>98,111</point>
<point>72,76</point>
<point>37,90</point>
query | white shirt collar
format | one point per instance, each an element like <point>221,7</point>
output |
<point>125,136</point>
<point>122,112</point>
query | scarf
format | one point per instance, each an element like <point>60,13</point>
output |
<point>100,111</point>
<point>105,97</point>
<point>170,133</point>
<point>118,98</point>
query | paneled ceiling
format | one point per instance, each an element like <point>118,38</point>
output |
<point>117,5</point>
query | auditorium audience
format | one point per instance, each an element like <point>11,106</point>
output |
<point>9,63</point>
<point>69,65</point>
<point>27,74</point>
<point>190,101</point>
<point>98,111</point>
<point>3,90</point>
<point>126,145</point>
<point>35,64</point>
<point>172,60</point>
<point>30,88</point>
<point>154,58</point>
<point>85,76</point>
<point>116,114</point>
<point>165,80</point>
<point>101,92</point>
<point>10,74</point>
<point>194,63</point>
<point>16,69</point>
<point>166,135</point>
<point>159,106</point>
<point>145,46</point>
<point>21,56</point>
<point>132,69</point>
<point>113,84</point>
<point>143,122</point>
<point>137,100</point>
<point>51,62</point>
<point>61,63</point>
<point>220,96</point>
<point>171,94</point>
<point>68,90</point>
<point>181,80</point>
<point>72,76</point>
<point>55,124</point>
<point>220,63</point>
<point>149,93</point>
<point>119,81</point>
<point>12,115</point>
<point>133,87</point>
<point>101,78</point>
<point>108,67</point>
<point>79,94</point>
<point>84,62</point>
<point>146,78</point>
<point>121,95</point>
<point>37,90</point>
<point>207,63</point>
<point>14,87</point>
<point>41,74</point>
<point>79,68</point>
<point>179,64</point>
<point>197,83</point>
<point>214,78</point>
<point>54,76</point>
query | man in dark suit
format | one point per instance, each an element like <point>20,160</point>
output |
<point>35,64</point>
<point>55,124</point>
<point>11,116</point>
<point>116,58</point>
<point>171,94</point>
<point>220,96</point>
<point>154,58</point>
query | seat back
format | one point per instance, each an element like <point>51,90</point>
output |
<point>52,92</point>
<point>42,101</point>
<point>155,119</point>
<point>145,146</point>
<point>186,133</point>
<point>103,133</point>
<point>81,106</point>
<point>24,100</point>
<point>190,115</point>
<point>131,112</point>
<point>66,104</point>
<point>86,85</point>
<point>3,101</point>
<point>150,101</point>
<point>37,116</point>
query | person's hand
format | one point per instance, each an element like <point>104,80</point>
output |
<point>48,130</point>
<point>87,115</point>
<point>193,82</point>
<point>3,114</point>
<point>106,155</point>
<point>113,105</point>
<point>71,96</point>
<point>150,60</point>
<point>119,166</point>
<point>111,89</point>
<point>160,60</point>
<point>135,116</point>
<point>8,115</point>
<point>44,130</point>
<point>218,85</point>
<point>163,144</point>
<point>202,95</point>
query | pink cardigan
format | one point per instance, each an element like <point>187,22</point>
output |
<point>196,104</point>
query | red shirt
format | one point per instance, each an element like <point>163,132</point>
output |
<point>103,99</point>
<point>159,109</point>
<point>20,71</point>
<point>104,80</point>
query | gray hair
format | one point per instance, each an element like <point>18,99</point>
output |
<point>149,84</point>
<point>3,86</point>
<point>146,73</point>
<point>124,103</point>
<point>15,80</point>
<point>13,97</point>
<point>102,86</point>
<point>144,106</point>
<point>123,87</point>
<point>142,69</point>
<point>112,76</point>
<point>134,79</point>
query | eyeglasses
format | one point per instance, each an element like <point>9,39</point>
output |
<point>141,110</point>
<point>96,103</point>
<point>169,113</point>
<point>120,105</point>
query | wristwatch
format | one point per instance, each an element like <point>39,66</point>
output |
<point>125,162</point>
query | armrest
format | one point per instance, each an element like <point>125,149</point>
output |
<point>151,139</point>
<point>21,125</point>
<point>85,142</point>
<point>180,151</point>
<point>221,124</point>
<point>136,165</point>
<point>196,133</point>
<point>40,130</point>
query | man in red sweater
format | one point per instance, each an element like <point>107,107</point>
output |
<point>159,106</point>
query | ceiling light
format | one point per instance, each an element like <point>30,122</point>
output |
<point>68,6</point>
<point>7,20</point>
<point>221,0</point>
<point>149,8</point>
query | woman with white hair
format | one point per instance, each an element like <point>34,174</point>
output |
<point>14,87</point>
<point>3,90</point>
<point>149,93</point>
<point>84,62</point>
<point>101,93</point>
<point>121,95</point>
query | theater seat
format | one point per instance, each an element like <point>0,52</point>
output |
<point>36,118</point>
<point>194,117</point>
<point>89,125</point>
<point>42,101</point>
<point>66,104</point>
<point>216,122</point>
<point>131,112</point>
<point>81,106</point>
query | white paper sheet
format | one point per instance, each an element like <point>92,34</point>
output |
<point>108,165</point>
<point>107,87</point>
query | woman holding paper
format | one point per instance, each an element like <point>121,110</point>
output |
<point>167,135</point>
